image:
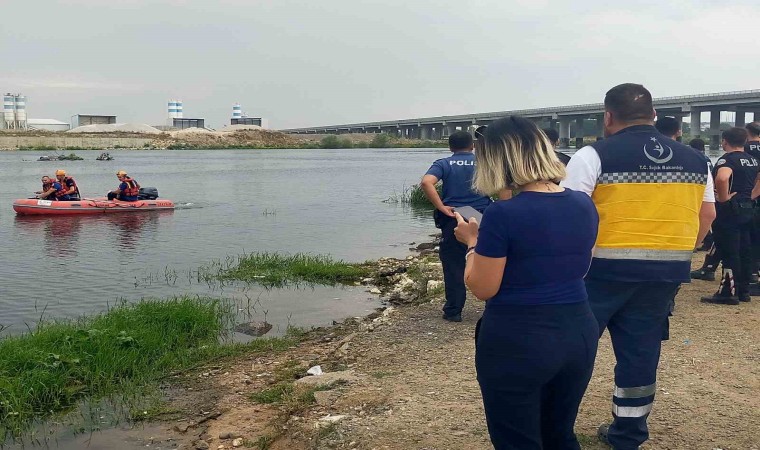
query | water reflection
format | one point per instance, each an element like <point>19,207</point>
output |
<point>61,234</point>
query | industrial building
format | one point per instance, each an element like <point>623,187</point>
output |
<point>14,112</point>
<point>93,119</point>
<point>47,125</point>
<point>241,118</point>
<point>181,123</point>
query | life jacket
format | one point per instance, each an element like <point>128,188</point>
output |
<point>132,190</point>
<point>61,192</point>
<point>74,183</point>
<point>648,196</point>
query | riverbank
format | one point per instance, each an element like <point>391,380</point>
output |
<point>197,139</point>
<point>402,378</point>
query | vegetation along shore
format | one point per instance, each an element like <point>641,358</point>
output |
<point>399,378</point>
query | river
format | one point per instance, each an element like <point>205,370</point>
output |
<point>231,202</point>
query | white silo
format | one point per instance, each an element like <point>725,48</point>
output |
<point>9,111</point>
<point>172,109</point>
<point>178,104</point>
<point>237,111</point>
<point>21,122</point>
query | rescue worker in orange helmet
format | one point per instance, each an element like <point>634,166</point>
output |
<point>127,191</point>
<point>63,189</point>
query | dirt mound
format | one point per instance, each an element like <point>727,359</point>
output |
<point>236,139</point>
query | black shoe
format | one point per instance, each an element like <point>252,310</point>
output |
<point>721,299</point>
<point>754,290</point>
<point>602,432</point>
<point>456,318</point>
<point>703,274</point>
<point>745,298</point>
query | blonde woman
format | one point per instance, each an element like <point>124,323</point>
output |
<point>537,339</point>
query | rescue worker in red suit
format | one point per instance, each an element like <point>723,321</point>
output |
<point>127,191</point>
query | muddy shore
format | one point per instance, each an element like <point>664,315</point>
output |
<point>403,378</point>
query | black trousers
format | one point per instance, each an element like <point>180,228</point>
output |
<point>732,240</point>
<point>755,238</point>
<point>635,315</point>
<point>534,364</point>
<point>452,254</point>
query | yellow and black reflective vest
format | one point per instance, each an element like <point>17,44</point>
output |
<point>648,195</point>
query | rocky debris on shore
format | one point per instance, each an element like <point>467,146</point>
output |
<point>256,329</point>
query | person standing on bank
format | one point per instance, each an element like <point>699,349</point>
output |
<point>655,201</point>
<point>752,148</point>
<point>456,173</point>
<point>553,136</point>
<point>736,184</point>
<point>537,339</point>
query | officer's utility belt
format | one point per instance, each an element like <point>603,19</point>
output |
<point>744,210</point>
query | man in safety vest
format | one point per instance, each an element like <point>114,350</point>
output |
<point>655,200</point>
<point>63,189</point>
<point>127,191</point>
<point>47,183</point>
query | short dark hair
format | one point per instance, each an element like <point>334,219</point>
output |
<point>697,144</point>
<point>753,128</point>
<point>629,102</point>
<point>669,126</point>
<point>460,140</point>
<point>735,137</point>
<point>552,134</point>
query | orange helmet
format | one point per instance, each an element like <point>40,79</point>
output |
<point>60,172</point>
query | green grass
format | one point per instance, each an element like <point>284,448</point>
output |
<point>276,270</point>
<point>119,352</point>
<point>414,196</point>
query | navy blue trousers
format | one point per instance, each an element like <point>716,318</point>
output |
<point>534,364</point>
<point>635,315</point>
<point>452,254</point>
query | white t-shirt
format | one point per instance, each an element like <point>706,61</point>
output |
<point>585,167</point>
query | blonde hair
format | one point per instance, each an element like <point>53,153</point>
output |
<point>515,152</point>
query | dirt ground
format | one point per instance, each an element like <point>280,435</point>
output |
<point>411,385</point>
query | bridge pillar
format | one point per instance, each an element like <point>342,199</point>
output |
<point>714,129</point>
<point>695,125</point>
<point>740,118</point>
<point>564,132</point>
<point>425,131</point>
<point>599,127</point>
<point>579,132</point>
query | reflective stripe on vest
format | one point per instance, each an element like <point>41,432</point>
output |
<point>648,196</point>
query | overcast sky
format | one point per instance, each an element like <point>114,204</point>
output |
<point>305,63</point>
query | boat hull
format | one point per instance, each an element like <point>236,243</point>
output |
<point>33,206</point>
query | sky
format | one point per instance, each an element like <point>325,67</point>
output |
<point>308,63</point>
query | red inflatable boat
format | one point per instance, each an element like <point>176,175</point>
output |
<point>33,206</point>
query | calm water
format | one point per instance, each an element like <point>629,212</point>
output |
<point>317,201</point>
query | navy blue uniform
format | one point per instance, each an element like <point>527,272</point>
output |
<point>537,340</point>
<point>733,225</point>
<point>456,172</point>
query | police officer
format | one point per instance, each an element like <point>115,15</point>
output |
<point>456,173</point>
<point>736,175</point>
<point>752,147</point>
<point>553,136</point>
<point>655,201</point>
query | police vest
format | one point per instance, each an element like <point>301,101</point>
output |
<point>132,190</point>
<point>648,195</point>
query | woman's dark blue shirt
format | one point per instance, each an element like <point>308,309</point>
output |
<point>547,239</point>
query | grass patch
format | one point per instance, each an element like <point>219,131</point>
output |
<point>414,196</point>
<point>274,394</point>
<point>276,270</point>
<point>120,352</point>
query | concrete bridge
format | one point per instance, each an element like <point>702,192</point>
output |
<point>692,106</point>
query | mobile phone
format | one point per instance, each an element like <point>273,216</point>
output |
<point>468,211</point>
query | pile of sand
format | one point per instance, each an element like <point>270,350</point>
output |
<point>116,128</point>
<point>190,132</point>
<point>233,128</point>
